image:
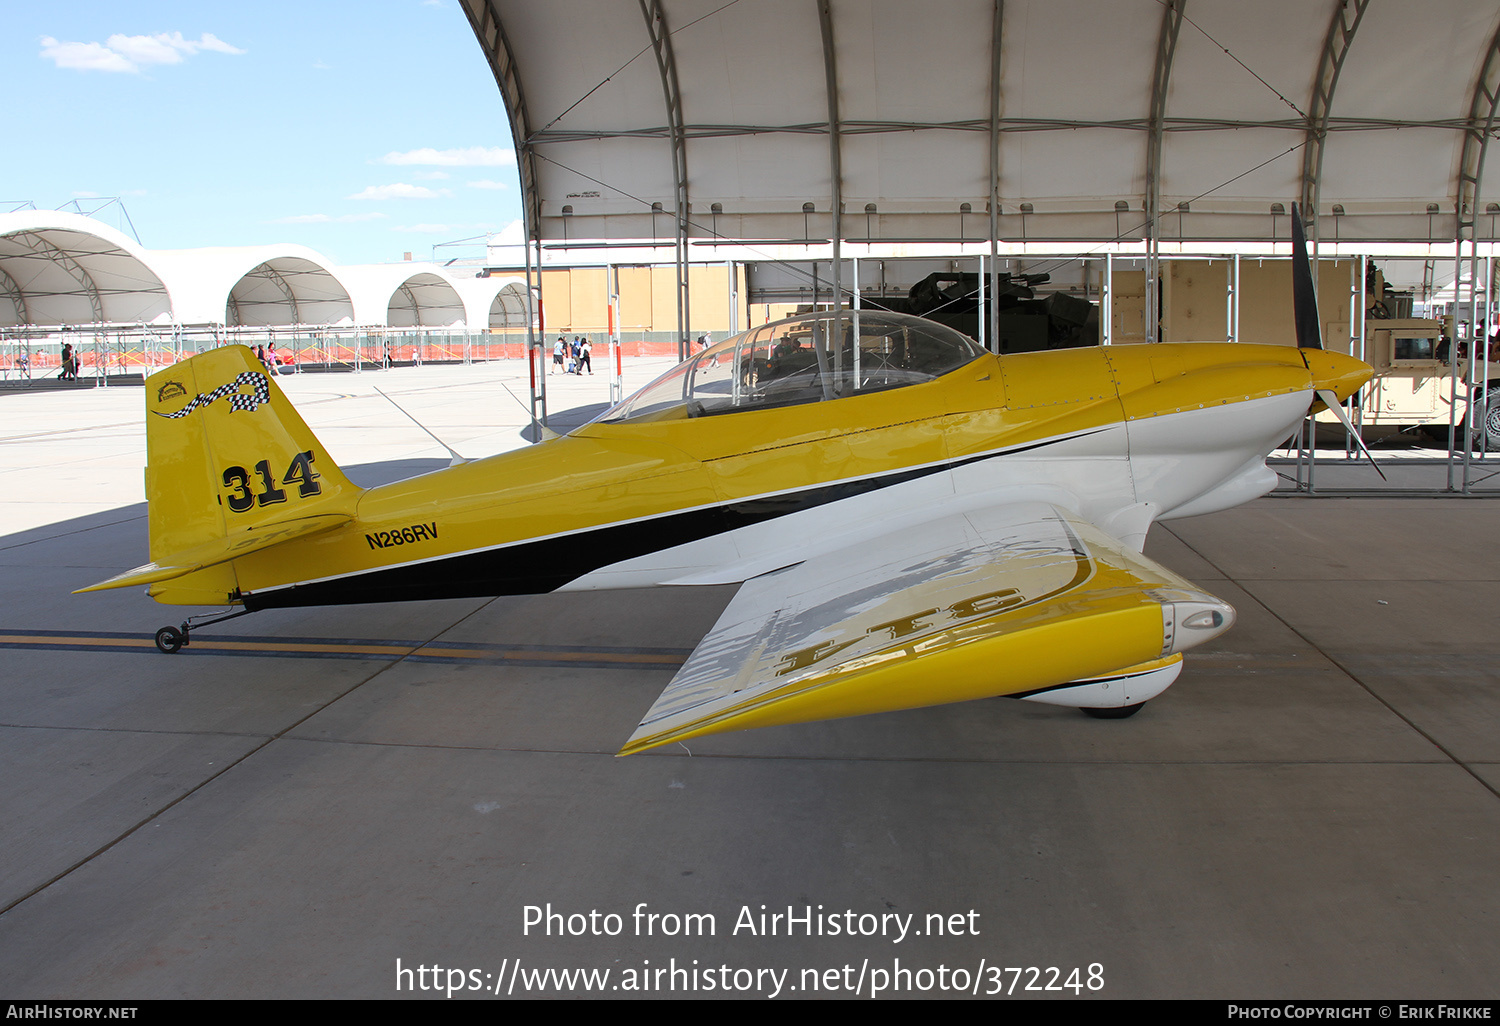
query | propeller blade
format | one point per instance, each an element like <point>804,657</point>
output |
<point>1331,401</point>
<point>1304,299</point>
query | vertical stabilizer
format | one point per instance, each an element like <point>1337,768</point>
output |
<point>227,454</point>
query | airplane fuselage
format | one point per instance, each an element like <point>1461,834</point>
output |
<point>1122,436</point>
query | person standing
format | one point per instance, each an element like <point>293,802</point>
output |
<point>583,357</point>
<point>273,360</point>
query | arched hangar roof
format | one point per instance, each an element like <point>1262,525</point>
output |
<point>59,268</point>
<point>425,299</point>
<point>255,285</point>
<point>1074,116</point>
<point>428,295</point>
<point>508,308</point>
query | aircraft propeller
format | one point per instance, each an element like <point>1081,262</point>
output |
<point>1309,334</point>
<point>1304,299</point>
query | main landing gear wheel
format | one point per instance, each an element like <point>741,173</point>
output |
<point>1119,712</point>
<point>170,639</point>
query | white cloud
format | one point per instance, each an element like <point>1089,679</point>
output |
<point>468,156</point>
<point>148,49</point>
<point>165,48</point>
<point>209,41</point>
<point>398,190</point>
<point>84,56</point>
<point>485,183</point>
<point>130,53</point>
<point>327,218</point>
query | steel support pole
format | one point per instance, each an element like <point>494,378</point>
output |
<point>836,176</point>
<point>1106,304</point>
<point>1355,290</point>
<point>530,344</point>
<point>731,269</point>
<point>1484,362</point>
<point>1475,341</point>
<point>983,310</point>
<point>666,63</point>
<point>1364,303</point>
<point>1453,424</point>
<point>536,327</point>
<point>990,316</point>
<point>854,271</point>
<point>1235,323</point>
<point>616,377</point>
<point>1336,43</point>
<point>1166,48</point>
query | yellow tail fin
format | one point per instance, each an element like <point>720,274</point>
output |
<point>231,468</point>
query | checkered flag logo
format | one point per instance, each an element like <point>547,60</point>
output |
<point>260,392</point>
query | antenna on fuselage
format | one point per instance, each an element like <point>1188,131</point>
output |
<point>455,461</point>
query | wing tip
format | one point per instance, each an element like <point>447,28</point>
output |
<point>638,744</point>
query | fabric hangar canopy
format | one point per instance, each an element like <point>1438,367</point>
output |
<point>1073,120</point>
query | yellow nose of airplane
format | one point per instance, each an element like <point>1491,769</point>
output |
<point>1340,374</point>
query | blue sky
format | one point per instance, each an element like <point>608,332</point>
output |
<point>363,130</point>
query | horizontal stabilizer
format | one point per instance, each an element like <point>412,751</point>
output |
<point>221,550</point>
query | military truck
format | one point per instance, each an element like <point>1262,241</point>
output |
<point>1413,384</point>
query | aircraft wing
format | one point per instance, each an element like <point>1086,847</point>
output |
<point>970,605</point>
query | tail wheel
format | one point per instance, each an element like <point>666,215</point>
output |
<point>170,639</point>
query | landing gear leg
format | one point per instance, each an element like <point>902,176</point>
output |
<point>170,639</point>
<point>1119,712</point>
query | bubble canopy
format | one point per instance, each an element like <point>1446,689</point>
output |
<point>808,359</point>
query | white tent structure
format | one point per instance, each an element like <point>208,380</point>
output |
<point>425,300</point>
<point>972,119</point>
<point>425,295</point>
<point>508,308</point>
<point>58,268</point>
<point>61,269</point>
<point>1159,123</point>
<point>255,286</point>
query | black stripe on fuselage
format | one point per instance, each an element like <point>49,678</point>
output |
<point>534,567</point>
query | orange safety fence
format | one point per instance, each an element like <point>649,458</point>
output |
<point>98,358</point>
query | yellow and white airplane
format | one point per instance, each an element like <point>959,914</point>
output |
<point>913,520</point>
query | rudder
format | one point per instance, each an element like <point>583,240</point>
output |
<point>227,454</point>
